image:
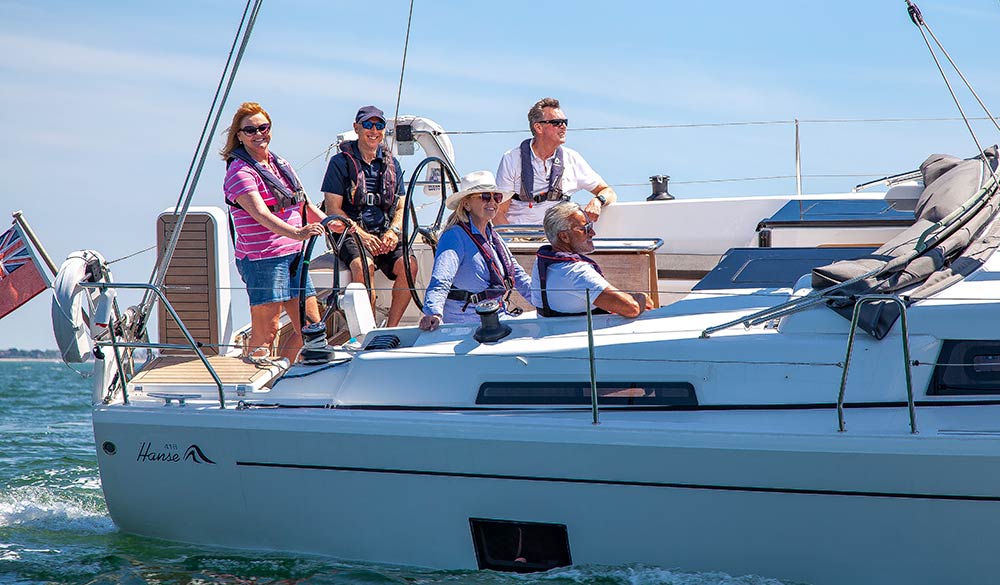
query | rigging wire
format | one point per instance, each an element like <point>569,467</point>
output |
<point>246,25</point>
<point>918,19</point>
<point>133,254</point>
<point>402,69</point>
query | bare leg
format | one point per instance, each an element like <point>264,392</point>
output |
<point>400,291</point>
<point>263,325</point>
<point>290,347</point>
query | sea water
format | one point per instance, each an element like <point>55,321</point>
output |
<point>55,528</point>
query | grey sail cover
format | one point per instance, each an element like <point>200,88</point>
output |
<point>949,183</point>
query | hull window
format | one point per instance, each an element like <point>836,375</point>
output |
<point>608,393</point>
<point>520,547</point>
<point>967,367</point>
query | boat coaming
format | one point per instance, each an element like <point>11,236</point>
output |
<point>773,492</point>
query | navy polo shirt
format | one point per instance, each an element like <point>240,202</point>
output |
<point>337,175</point>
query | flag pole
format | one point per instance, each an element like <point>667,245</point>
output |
<point>19,220</point>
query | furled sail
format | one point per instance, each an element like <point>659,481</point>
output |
<point>955,213</point>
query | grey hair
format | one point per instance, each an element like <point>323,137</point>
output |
<point>557,219</point>
<point>535,114</point>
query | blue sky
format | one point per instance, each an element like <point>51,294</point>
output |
<point>102,102</point>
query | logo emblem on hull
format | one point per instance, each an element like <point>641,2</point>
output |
<point>169,453</point>
<point>195,454</point>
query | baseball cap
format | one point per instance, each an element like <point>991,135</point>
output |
<point>369,112</point>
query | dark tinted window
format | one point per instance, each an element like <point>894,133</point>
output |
<point>608,393</point>
<point>967,367</point>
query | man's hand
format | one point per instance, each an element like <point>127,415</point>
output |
<point>372,243</point>
<point>593,210</point>
<point>389,241</point>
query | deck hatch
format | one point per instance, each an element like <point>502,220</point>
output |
<point>608,393</point>
<point>520,547</point>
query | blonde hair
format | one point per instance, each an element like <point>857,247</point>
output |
<point>460,214</point>
<point>232,137</point>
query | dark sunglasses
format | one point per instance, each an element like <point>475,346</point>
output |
<point>587,228</point>
<point>558,122</point>
<point>251,130</point>
<point>368,125</point>
<point>497,197</point>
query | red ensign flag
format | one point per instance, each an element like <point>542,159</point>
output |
<point>20,275</point>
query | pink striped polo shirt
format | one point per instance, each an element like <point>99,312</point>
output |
<point>253,240</point>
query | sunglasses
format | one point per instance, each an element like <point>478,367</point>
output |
<point>368,125</point>
<point>496,197</point>
<point>558,122</point>
<point>587,228</point>
<point>252,130</point>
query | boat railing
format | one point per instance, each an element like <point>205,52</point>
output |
<point>117,346</point>
<point>904,336</point>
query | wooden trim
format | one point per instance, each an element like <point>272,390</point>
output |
<point>191,283</point>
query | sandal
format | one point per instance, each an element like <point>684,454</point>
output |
<point>261,355</point>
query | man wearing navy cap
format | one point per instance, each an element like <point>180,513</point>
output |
<point>365,183</point>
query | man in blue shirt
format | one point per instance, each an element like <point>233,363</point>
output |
<point>365,183</point>
<point>563,274</point>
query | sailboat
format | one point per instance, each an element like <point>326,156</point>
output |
<point>814,397</point>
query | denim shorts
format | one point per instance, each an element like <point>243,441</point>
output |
<point>269,280</point>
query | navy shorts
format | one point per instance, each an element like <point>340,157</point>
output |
<point>269,280</point>
<point>384,262</point>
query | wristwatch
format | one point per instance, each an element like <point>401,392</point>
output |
<point>397,230</point>
<point>601,198</point>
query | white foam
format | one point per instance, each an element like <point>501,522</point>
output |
<point>53,510</point>
<point>647,575</point>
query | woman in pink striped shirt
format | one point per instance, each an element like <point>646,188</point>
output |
<point>266,204</point>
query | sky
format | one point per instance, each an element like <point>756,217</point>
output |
<point>102,103</point>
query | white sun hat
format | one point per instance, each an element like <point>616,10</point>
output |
<point>476,182</point>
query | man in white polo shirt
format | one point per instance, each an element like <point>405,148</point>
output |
<point>555,171</point>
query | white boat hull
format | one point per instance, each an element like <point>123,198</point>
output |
<point>639,488</point>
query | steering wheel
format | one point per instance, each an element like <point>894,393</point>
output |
<point>411,224</point>
<point>335,241</point>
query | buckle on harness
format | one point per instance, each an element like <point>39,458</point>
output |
<point>371,199</point>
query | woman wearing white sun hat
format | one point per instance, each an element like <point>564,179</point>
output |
<point>473,263</point>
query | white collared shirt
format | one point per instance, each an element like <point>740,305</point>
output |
<point>577,175</point>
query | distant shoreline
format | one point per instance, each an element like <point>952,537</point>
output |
<point>28,359</point>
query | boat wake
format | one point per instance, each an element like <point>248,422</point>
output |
<point>49,509</point>
<point>647,575</point>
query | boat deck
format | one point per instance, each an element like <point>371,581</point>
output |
<point>189,370</point>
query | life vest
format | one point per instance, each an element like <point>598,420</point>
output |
<point>554,191</point>
<point>283,197</point>
<point>499,264</point>
<point>547,256</point>
<point>357,192</point>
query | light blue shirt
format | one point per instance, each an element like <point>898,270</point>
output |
<point>566,285</point>
<point>458,263</point>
